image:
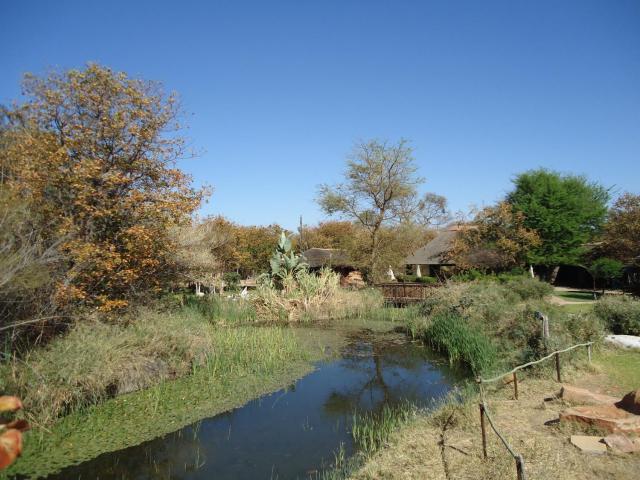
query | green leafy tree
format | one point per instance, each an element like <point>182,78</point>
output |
<point>566,211</point>
<point>605,270</point>
<point>381,188</point>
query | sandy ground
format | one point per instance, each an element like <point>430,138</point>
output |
<point>448,446</point>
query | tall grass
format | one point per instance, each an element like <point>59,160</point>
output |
<point>371,431</point>
<point>463,343</point>
<point>95,360</point>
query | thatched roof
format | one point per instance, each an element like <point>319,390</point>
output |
<point>321,257</point>
<point>433,252</point>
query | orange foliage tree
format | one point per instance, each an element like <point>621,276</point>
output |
<point>498,239</point>
<point>95,151</point>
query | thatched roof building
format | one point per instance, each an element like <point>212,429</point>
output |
<point>326,257</point>
<point>433,253</point>
<point>432,256</point>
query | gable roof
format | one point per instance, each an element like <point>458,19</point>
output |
<point>320,257</point>
<point>433,252</point>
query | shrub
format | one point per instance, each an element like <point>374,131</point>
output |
<point>529,288</point>
<point>620,314</point>
<point>463,343</point>
<point>231,280</point>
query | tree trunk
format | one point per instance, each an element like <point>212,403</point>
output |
<point>554,274</point>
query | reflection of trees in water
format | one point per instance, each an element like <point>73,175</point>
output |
<point>371,357</point>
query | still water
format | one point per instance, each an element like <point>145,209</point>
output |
<point>292,433</point>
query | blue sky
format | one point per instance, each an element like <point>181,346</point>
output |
<point>277,92</point>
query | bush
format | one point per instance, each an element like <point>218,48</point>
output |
<point>620,314</point>
<point>231,280</point>
<point>529,288</point>
<point>463,343</point>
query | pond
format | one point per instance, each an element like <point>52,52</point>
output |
<point>292,433</point>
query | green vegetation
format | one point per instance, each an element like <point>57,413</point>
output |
<point>605,270</point>
<point>565,210</point>
<point>247,362</point>
<point>621,314</point>
<point>462,343</point>
<point>622,367</point>
<point>371,430</point>
<point>489,325</point>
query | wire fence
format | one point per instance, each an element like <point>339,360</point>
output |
<point>484,412</point>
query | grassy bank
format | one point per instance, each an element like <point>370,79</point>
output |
<point>176,366</point>
<point>487,326</point>
<point>446,443</point>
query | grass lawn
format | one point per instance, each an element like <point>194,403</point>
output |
<point>578,307</point>
<point>622,367</point>
<point>574,296</point>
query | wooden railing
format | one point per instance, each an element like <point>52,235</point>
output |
<point>405,292</point>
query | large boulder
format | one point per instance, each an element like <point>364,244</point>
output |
<point>583,396</point>
<point>630,402</point>
<point>606,417</point>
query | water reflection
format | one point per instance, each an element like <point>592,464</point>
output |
<point>291,433</point>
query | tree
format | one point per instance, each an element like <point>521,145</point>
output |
<point>497,240</point>
<point>94,152</point>
<point>567,211</point>
<point>622,230</point>
<point>606,270</point>
<point>381,188</point>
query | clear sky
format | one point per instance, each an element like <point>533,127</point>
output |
<point>278,91</point>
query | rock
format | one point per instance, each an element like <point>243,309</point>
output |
<point>585,397</point>
<point>621,443</point>
<point>606,417</point>
<point>624,341</point>
<point>630,402</point>
<point>589,444</point>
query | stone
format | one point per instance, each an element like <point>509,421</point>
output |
<point>589,444</point>
<point>630,402</point>
<point>622,443</point>
<point>624,341</point>
<point>583,396</point>
<point>607,417</point>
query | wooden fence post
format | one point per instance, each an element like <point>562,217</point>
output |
<point>589,352</point>
<point>558,368</point>
<point>484,432</point>
<point>520,468</point>
<point>515,385</point>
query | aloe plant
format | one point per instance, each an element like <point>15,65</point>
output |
<point>285,262</point>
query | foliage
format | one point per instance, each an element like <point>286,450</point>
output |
<point>566,211</point>
<point>94,153</point>
<point>605,270</point>
<point>10,431</point>
<point>303,296</point>
<point>222,310</point>
<point>196,253</point>
<point>25,265</point>
<point>622,230</point>
<point>285,263</point>
<point>380,188</point>
<point>620,314</point>
<point>450,333</point>
<point>497,240</point>
<point>231,280</point>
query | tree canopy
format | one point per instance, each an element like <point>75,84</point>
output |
<point>93,151</point>
<point>622,231</point>
<point>381,188</point>
<point>566,211</point>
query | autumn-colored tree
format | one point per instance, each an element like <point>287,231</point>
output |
<point>622,230</point>
<point>94,152</point>
<point>497,239</point>
<point>256,244</point>
<point>381,189</point>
